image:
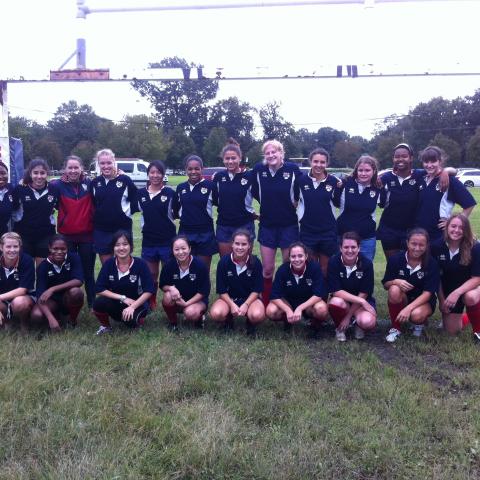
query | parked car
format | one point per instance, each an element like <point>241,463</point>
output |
<point>469,177</point>
<point>209,172</point>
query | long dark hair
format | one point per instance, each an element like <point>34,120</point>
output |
<point>36,162</point>
<point>118,235</point>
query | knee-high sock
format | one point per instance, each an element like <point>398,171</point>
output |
<point>171,312</point>
<point>152,302</point>
<point>465,320</point>
<point>103,318</point>
<point>337,313</point>
<point>394,309</point>
<point>473,313</point>
<point>73,311</point>
<point>267,290</point>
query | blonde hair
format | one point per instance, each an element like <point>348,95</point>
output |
<point>275,144</point>
<point>11,236</point>
<point>106,152</point>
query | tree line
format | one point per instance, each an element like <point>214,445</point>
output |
<point>187,119</point>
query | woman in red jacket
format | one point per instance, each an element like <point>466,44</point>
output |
<point>75,218</point>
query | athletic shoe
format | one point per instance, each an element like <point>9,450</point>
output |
<point>103,330</point>
<point>340,336</point>
<point>417,331</point>
<point>359,333</point>
<point>200,325</point>
<point>393,334</point>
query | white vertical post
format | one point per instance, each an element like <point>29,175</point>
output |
<point>4,141</point>
<point>81,48</point>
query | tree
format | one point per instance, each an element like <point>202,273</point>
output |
<point>347,152</point>
<point>28,131</point>
<point>273,124</point>
<point>49,151</point>
<point>473,150</point>
<point>450,147</point>
<point>213,146</point>
<point>181,146</point>
<point>73,123</point>
<point>327,137</point>
<point>178,103</point>
<point>382,148</point>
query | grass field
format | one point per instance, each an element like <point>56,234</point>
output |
<point>205,405</point>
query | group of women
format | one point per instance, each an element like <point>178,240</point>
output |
<point>328,256</point>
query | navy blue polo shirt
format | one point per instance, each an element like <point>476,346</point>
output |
<point>360,280</point>
<point>133,283</point>
<point>452,274</point>
<point>285,285</point>
<point>434,204</point>
<point>158,226</point>
<point>195,206</point>
<point>357,210</point>
<point>20,276</point>
<point>51,275</point>
<point>234,198</point>
<point>239,285</point>
<point>6,208</point>
<point>399,200</point>
<point>115,202</point>
<point>195,281</point>
<point>425,279</point>
<point>275,193</point>
<point>33,215</point>
<point>315,210</point>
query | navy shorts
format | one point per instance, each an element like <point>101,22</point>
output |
<point>432,302</point>
<point>448,288</point>
<point>277,237</point>
<point>157,254</point>
<point>204,244</point>
<point>325,243</point>
<point>114,309</point>
<point>37,247</point>
<point>225,233</point>
<point>102,242</point>
<point>391,238</point>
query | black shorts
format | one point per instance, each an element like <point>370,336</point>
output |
<point>36,247</point>
<point>114,309</point>
<point>391,238</point>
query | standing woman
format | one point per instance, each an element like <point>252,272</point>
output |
<point>75,218</point>
<point>239,284</point>
<point>357,200</point>
<point>35,201</point>
<point>59,278</point>
<point>195,199</point>
<point>124,286</point>
<point>115,201</point>
<point>459,261</point>
<point>412,280</point>
<point>17,281</point>
<point>6,200</point>
<point>158,228</point>
<point>350,282</point>
<point>273,187</point>
<point>234,188</point>
<point>436,206</point>
<point>298,289</point>
<point>186,285</point>
<point>315,209</point>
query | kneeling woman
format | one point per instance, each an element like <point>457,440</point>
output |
<point>17,280</point>
<point>186,285</point>
<point>350,282</point>
<point>412,280</point>
<point>298,289</point>
<point>59,278</point>
<point>124,286</point>
<point>239,284</point>
<point>459,261</point>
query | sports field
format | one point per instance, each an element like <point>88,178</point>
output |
<point>209,405</point>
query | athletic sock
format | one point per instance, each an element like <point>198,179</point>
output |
<point>73,311</point>
<point>337,313</point>
<point>473,313</point>
<point>394,309</point>
<point>171,312</point>
<point>103,319</point>
<point>152,301</point>
<point>465,320</point>
<point>267,290</point>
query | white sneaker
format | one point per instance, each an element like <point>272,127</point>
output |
<point>393,334</point>
<point>340,336</point>
<point>359,333</point>
<point>103,330</point>
<point>417,330</point>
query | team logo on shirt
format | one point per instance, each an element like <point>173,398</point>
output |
<point>111,278</point>
<point>401,272</point>
<point>289,283</point>
<point>67,267</point>
<point>119,184</point>
<point>359,274</point>
<point>192,276</point>
<point>264,174</point>
<point>351,190</point>
<point>328,188</point>
<point>306,187</point>
<point>204,190</point>
<point>15,276</point>
<point>175,276</point>
<point>163,198</point>
<point>372,194</point>
<point>412,181</point>
<point>243,181</point>
<point>286,175</point>
<point>309,282</point>
<point>133,278</point>
<point>249,273</point>
<point>342,274</point>
<point>184,191</point>
<point>420,187</point>
<point>144,199</point>
<point>50,273</point>
<point>420,274</point>
<point>10,198</point>
<point>224,179</point>
<point>99,184</point>
<point>27,198</point>
<point>437,187</point>
<point>50,198</point>
<point>229,274</point>
<point>442,257</point>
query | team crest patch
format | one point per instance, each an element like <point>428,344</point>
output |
<point>67,267</point>
<point>119,184</point>
<point>286,175</point>
<point>401,272</point>
<point>133,278</point>
<point>192,276</point>
<point>50,198</point>
<point>420,187</point>
<point>15,276</point>
<point>359,274</point>
<point>229,274</point>
<point>249,273</point>
<point>412,181</point>
<point>111,278</point>
<point>10,198</point>
<point>372,194</point>
<point>328,188</point>
<point>351,190</point>
<point>175,276</point>
<point>309,282</point>
<point>184,191</point>
<point>437,187</point>
<point>204,190</point>
<point>243,181</point>
<point>99,184</point>
<point>163,198</point>
<point>420,274</point>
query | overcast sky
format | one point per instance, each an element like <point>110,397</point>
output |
<point>37,36</point>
